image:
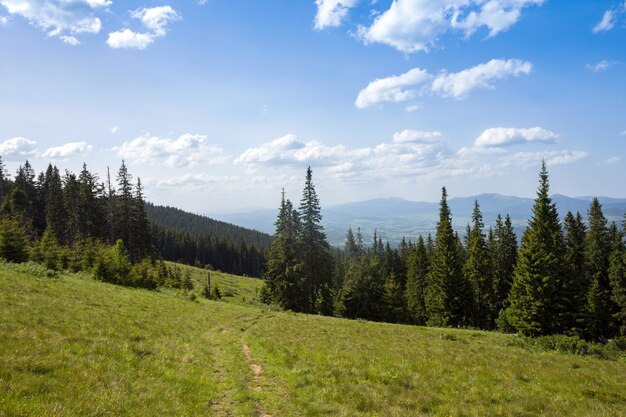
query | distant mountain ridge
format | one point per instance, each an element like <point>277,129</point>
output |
<point>394,218</point>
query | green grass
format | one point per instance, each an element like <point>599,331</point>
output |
<point>72,346</point>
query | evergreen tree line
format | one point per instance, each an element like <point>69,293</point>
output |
<point>198,240</point>
<point>78,223</point>
<point>566,277</point>
<point>207,251</point>
<point>69,213</point>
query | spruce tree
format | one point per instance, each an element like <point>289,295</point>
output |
<point>90,205</point>
<point>56,216</point>
<point>479,273</point>
<point>70,199</point>
<point>504,257</point>
<point>123,208</point>
<point>448,300</point>
<point>535,304</point>
<point>315,266</point>
<point>600,307</point>
<point>417,283</point>
<point>575,232</point>
<point>140,227</point>
<point>281,275</point>
<point>617,275</point>
<point>13,240</point>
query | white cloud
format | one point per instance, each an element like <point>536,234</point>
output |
<point>67,151</point>
<point>404,158</point>
<point>473,151</point>
<point>607,22</point>
<point>61,18</point>
<point>504,136</point>
<point>416,136</point>
<point>331,13</point>
<point>496,15</point>
<point>186,151</point>
<point>128,39</point>
<point>193,182</point>
<point>410,155</point>
<point>70,40</point>
<point>156,18</point>
<point>458,85</point>
<point>613,160</point>
<point>17,148</point>
<point>114,130</point>
<point>4,20</point>
<point>289,149</point>
<point>531,159</point>
<point>602,65</point>
<point>411,108</point>
<point>415,25</point>
<point>396,88</point>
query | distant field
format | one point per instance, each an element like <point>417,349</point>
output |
<point>71,346</point>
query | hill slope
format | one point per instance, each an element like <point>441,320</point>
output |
<point>197,225</point>
<point>73,346</point>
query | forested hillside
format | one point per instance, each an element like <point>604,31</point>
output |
<point>565,278</point>
<point>198,240</point>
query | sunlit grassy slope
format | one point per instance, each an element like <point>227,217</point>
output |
<point>71,346</point>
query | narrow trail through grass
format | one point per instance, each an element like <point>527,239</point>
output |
<point>72,346</point>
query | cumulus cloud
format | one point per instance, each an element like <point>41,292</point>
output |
<point>63,19</point>
<point>505,136</point>
<point>186,151</point>
<point>154,19</point>
<point>128,39</point>
<point>289,149</point>
<point>331,13</point>
<point>415,25</point>
<point>396,88</point>
<point>409,155</point>
<point>67,151</point>
<point>457,85</point>
<point>606,23</point>
<point>4,20</point>
<point>416,136</point>
<point>18,148</point>
<point>388,159</point>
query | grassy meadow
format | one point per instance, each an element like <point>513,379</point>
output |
<point>72,346</point>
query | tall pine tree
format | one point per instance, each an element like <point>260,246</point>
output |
<point>315,265</point>
<point>535,304</point>
<point>417,283</point>
<point>479,273</point>
<point>448,300</point>
<point>600,307</point>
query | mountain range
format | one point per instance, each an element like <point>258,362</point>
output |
<point>395,218</point>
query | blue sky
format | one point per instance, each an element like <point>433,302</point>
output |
<point>216,105</point>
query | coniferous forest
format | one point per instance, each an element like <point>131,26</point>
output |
<point>565,278</point>
<point>80,222</point>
